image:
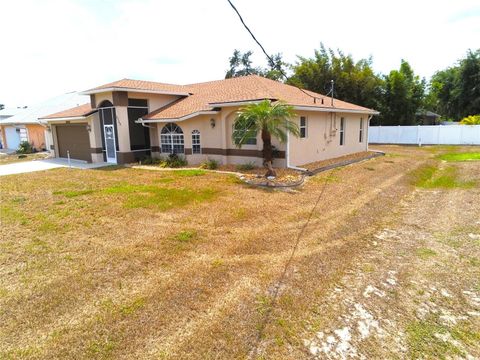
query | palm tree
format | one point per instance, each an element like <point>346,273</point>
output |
<point>271,119</point>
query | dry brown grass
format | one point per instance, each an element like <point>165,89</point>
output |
<point>128,263</point>
<point>13,158</point>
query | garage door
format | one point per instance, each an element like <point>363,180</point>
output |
<point>74,138</point>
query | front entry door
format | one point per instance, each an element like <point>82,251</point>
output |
<point>110,143</point>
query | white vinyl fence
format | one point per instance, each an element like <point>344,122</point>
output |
<point>425,135</point>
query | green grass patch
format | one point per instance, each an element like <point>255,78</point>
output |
<point>9,214</point>
<point>425,253</point>
<point>430,177</point>
<point>424,344</point>
<point>152,196</point>
<point>188,173</point>
<point>133,306</point>
<point>185,236</point>
<point>469,156</point>
<point>101,349</point>
<point>73,193</point>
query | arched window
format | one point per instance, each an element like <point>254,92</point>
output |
<point>196,149</point>
<point>241,131</point>
<point>171,139</point>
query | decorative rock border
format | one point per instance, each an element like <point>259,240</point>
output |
<point>272,185</point>
<point>344,163</point>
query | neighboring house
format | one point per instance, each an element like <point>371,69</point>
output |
<point>25,126</point>
<point>9,134</point>
<point>128,119</point>
<point>426,117</point>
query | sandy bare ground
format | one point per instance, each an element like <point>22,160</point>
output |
<point>416,292</point>
<point>381,266</point>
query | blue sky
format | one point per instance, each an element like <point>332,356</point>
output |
<point>55,46</point>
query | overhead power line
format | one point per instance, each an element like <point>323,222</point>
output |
<point>265,52</point>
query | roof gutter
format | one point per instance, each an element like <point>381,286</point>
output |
<point>237,103</point>
<point>111,89</point>
<point>338,110</point>
<point>183,118</point>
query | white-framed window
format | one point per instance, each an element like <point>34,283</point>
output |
<point>239,132</point>
<point>303,127</point>
<point>360,135</point>
<point>196,149</point>
<point>171,139</point>
<point>342,131</point>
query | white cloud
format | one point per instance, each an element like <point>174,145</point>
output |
<point>54,46</point>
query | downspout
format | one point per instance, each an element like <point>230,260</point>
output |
<point>287,154</point>
<point>368,129</point>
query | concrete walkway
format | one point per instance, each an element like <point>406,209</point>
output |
<point>40,165</point>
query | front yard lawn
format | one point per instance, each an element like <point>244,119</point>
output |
<point>130,263</point>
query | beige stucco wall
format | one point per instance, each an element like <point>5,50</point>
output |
<point>155,101</point>
<point>219,137</point>
<point>323,141</point>
<point>103,96</point>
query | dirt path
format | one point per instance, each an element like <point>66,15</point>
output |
<point>416,293</point>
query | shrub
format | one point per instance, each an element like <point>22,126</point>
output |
<point>25,148</point>
<point>174,161</point>
<point>210,164</point>
<point>247,166</point>
<point>150,161</point>
<point>471,120</point>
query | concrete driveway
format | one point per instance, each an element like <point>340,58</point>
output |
<point>40,165</point>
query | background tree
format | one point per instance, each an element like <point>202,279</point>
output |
<point>241,65</point>
<point>402,95</point>
<point>271,120</point>
<point>355,81</point>
<point>2,106</point>
<point>455,92</point>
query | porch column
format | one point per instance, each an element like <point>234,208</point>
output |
<point>95,136</point>
<point>154,140</point>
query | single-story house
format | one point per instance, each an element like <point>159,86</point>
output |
<point>127,120</point>
<point>23,124</point>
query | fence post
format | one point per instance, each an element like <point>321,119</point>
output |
<point>438,134</point>
<point>68,157</point>
<point>419,141</point>
<point>398,134</point>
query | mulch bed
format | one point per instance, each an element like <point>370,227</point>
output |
<point>319,166</point>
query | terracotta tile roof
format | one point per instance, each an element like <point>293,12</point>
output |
<point>78,111</point>
<point>143,85</point>
<point>246,88</point>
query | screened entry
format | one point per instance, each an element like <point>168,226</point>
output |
<point>172,140</point>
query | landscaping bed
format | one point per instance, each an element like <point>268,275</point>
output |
<point>318,166</point>
<point>13,158</point>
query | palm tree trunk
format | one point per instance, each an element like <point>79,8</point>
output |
<point>268,153</point>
